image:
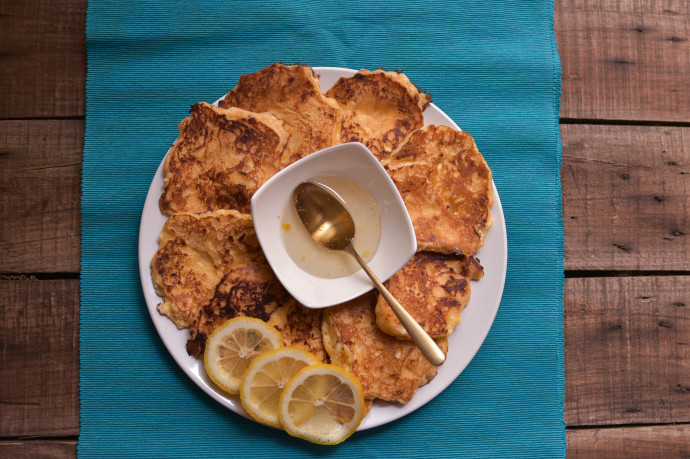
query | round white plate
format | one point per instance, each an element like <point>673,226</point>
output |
<point>463,344</point>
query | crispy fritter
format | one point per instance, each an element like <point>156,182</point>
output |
<point>433,288</point>
<point>195,250</point>
<point>387,368</point>
<point>447,188</point>
<point>381,109</point>
<point>252,290</point>
<point>226,236</point>
<point>292,94</point>
<point>184,278</point>
<point>220,158</point>
<point>300,327</point>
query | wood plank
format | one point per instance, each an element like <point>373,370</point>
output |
<point>40,189</point>
<point>43,58</point>
<point>669,441</point>
<point>624,60</point>
<point>626,197</point>
<point>627,350</point>
<point>38,449</point>
<point>39,364</point>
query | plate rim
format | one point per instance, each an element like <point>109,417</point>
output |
<point>387,412</point>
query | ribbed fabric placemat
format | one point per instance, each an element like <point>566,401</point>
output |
<point>493,67</point>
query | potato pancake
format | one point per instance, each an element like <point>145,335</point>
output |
<point>434,288</point>
<point>220,159</point>
<point>388,368</point>
<point>447,188</point>
<point>293,95</point>
<point>380,109</point>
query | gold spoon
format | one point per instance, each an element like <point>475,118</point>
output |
<point>324,216</point>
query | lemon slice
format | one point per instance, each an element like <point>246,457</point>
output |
<point>232,346</point>
<point>322,404</point>
<point>265,378</point>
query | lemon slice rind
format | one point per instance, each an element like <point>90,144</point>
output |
<point>322,404</point>
<point>232,346</point>
<point>265,378</point>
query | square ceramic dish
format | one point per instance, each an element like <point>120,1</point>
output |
<point>352,161</point>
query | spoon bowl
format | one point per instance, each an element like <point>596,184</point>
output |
<point>326,219</point>
<point>324,216</point>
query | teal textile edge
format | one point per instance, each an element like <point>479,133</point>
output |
<point>493,67</point>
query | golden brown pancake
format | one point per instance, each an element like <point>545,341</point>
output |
<point>195,251</point>
<point>184,278</point>
<point>300,327</point>
<point>387,368</point>
<point>433,288</point>
<point>293,95</point>
<point>381,109</point>
<point>252,290</point>
<point>447,188</point>
<point>248,289</point>
<point>220,158</point>
<point>226,236</point>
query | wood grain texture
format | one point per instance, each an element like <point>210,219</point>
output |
<point>629,442</point>
<point>39,364</point>
<point>40,189</point>
<point>43,58</point>
<point>626,197</point>
<point>624,60</point>
<point>38,449</point>
<point>627,350</point>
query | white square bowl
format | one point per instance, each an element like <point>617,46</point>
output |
<point>354,162</point>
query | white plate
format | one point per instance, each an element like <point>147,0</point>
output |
<point>463,344</point>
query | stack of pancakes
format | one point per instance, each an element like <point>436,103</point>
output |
<point>210,268</point>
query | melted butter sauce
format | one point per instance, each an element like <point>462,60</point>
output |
<point>329,264</point>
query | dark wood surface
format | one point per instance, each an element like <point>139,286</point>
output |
<point>626,194</point>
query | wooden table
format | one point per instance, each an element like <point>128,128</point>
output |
<point>626,195</point>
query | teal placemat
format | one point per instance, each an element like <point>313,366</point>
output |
<point>493,67</point>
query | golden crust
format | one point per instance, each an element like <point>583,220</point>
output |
<point>220,159</point>
<point>293,95</point>
<point>300,327</point>
<point>252,290</point>
<point>381,109</point>
<point>210,268</point>
<point>195,250</point>
<point>387,368</point>
<point>447,188</point>
<point>434,288</point>
<point>227,237</point>
<point>181,283</point>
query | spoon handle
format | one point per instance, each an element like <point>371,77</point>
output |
<point>423,341</point>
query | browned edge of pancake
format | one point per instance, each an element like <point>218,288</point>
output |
<point>220,158</point>
<point>434,288</point>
